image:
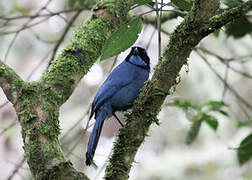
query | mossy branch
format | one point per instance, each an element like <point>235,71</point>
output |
<point>76,59</point>
<point>38,103</point>
<point>10,82</point>
<point>200,22</point>
<point>39,115</point>
<point>219,20</point>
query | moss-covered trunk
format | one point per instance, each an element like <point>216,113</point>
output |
<point>37,104</point>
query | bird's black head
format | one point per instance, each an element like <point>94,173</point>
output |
<point>139,51</point>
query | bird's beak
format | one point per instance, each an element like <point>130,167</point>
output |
<point>135,51</point>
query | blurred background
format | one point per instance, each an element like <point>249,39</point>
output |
<point>32,33</point>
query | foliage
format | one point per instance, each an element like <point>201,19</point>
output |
<point>245,123</point>
<point>198,114</point>
<point>119,41</point>
<point>128,34</point>
<point>182,4</point>
<point>201,113</point>
<point>239,27</point>
<point>245,150</point>
<point>73,2</point>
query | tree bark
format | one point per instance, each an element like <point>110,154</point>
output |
<point>37,103</point>
<point>202,20</point>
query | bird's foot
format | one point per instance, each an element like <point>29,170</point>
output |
<point>118,119</point>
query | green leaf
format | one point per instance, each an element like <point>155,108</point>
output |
<point>183,104</point>
<point>73,2</point>
<point>94,165</point>
<point>232,3</point>
<point>194,130</point>
<point>222,112</point>
<point>245,123</point>
<point>210,120</point>
<point>239,28</point>
<point>183,4</point>
<point>245,150</point>
<point>122,39</point>
<point>215,104</point>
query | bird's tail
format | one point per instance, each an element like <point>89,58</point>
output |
<point>94,138</point>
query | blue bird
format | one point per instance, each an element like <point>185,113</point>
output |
<point>118,92</point>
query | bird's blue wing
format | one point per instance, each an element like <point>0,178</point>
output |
<point>118,78</point>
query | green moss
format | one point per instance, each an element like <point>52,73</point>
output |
<point>118,10</point>
<point>63,71</point>
<point>17,83</point>
<point>26,116</point>
<point>64,170</point>
<point>40,101</point>
<point>27,98</point>
<point>38,148</point>
<point>29,92</point>
<point>92,35</point>
<point>10,81</point>
<point>47,130</point>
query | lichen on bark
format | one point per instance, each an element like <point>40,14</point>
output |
<point>37,103</point>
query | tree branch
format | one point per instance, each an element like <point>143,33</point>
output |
<point>10,82</point>
<point>62,37</point>
<point>219,20</point>
<point>76,59</point>
<point>39,102</point>
<point>200,22</point>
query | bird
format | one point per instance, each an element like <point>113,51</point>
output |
<point>118,93</point>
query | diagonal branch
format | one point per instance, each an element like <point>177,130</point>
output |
<point>76,59</point>
<point>70,23</point>
<point>39,102</point>
<point>219,20</point>
<point>10,82</point>
<point>200,22</point>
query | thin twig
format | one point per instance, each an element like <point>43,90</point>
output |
<point>8,127</point>
<point>38,65</point>
<point>104,165</point>
<point>150,39</point>
<point>158,27</point>
<point>15,171</point>
<point>59,15</point>
<point>113,64</point>
<point>225,87</point>
<point>4,104</point>
<point>63,36</point>
<point>75,125</point>
<point>85,7</point>
<point>23,27</point>
<point>226,62</point>
<point>10,46</point>
<point>41,39</point>
<point>228,86</point>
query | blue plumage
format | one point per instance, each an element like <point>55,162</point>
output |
<point>118,92</point>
